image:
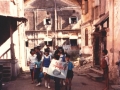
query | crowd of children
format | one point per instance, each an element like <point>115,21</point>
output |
<point>39,63</point>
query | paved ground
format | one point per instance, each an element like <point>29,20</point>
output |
<point>79,83</point>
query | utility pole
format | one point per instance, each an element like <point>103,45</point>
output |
<point>55,23</point>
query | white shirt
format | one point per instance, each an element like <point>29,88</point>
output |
<point>32,59</point>
<point>107,59</point>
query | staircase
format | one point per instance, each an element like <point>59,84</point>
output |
<point>5,66</point>
<point>6,73</point>
<point>6,69</point>
<point>95,74</point>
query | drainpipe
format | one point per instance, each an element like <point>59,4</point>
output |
<point>55,22</point>
<point>112,6</point>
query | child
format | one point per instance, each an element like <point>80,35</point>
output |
<point>46,62</point>
<point>69,73</point>
<point>38,70</point>
<point>105,63</point>
<point>31,63</point>
<point>119,63</point>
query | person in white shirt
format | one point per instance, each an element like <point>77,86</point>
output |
<point>31,63</point>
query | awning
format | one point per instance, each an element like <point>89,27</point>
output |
<point>73,37</point>
<point>15,18</point>
<point>47,39</point>
<point>103,19</point>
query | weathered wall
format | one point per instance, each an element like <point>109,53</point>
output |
<point>63,19</point>
<point>87,17</point>
<point>8,8</point>
<point>113,38</point>
<point>86,24</point>
<point>14,10</point>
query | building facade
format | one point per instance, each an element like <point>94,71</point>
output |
<point>113,41</point>
<point>101,18</point>
<point>12,32</point>
<point>53,23</point>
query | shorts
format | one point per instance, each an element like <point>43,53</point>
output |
<point>70,74</point>
<point>45,69</point>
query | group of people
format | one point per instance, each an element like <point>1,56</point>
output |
<point>39,63</point>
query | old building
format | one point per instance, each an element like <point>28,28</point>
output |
<point>53,22</point>
<point>113,41</point>
<point>12,31</point>
<point>100,28</point>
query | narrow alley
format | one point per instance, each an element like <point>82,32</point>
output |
<point>79,83</point>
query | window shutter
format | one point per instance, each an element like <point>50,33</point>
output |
<point>44,21</point>
<point>76,19</point>
<point>69,20</point>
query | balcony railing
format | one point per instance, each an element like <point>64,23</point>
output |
<point>6,54</point>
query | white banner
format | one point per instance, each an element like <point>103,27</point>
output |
<point>58,69</point>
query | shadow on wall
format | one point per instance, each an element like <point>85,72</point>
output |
<point>5,29</point>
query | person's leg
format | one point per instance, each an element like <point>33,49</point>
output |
<point>48,80</point>
<point>37,75</point>
<point>32,75</point>
<point>66,83</point>
<point>70,83</point>
<point>57,83</point>
<point>45,78</point>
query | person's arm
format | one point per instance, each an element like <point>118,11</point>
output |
<point>28,61</point>
<point>72,66</point>
<point>42,60</point>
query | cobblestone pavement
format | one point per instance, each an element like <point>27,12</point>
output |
<point>79,83</point>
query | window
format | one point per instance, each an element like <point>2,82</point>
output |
<point>73,42</point>
<point>86,37</point>
<point>73,20</point>
<point>47,21</point>
<point>48,43</point>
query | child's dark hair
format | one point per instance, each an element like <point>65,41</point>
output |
<point>67,55</point>
<point>31,51</point>
<point>38,48</point>
<point>35,48</point>
<point>105,51</point>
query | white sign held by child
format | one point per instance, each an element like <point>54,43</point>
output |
<point>58,69</point>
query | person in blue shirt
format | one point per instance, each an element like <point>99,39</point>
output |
<point>69,73</point>
<point>38,71</point>
<point>46,59</point>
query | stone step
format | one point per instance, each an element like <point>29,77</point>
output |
<point>115,87</point>
<point>1,74</point>
<point>6,67</point>
<point>94,76</point>
<point>6,79</point>
<point>6,74</point>
<point>99,72</point>
<point>6,71</point>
